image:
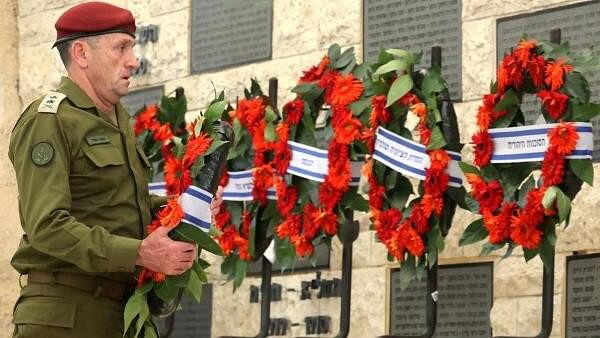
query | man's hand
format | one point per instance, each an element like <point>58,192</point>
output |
<point>158,252</point>
<point>215,206</point>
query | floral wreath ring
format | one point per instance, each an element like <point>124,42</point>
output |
<point>311,212</point>
<point>517,209</point>
<point>401,95</point>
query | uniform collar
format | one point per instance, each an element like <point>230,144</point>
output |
<point>75,94</point>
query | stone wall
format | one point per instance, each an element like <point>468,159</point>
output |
<point>10,106</point>
<point>302,31</point>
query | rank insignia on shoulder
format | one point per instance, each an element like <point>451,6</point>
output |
<point>42,153</point>
<point>51,102</point>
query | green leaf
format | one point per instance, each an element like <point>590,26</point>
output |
<point>167,290</point>
<point>149,331</point>
<point>549,197</point>
<point>401,53</point>
<point>437,140</point>
<point>270,115</point>
<point>510,99</point>
<point>586,112</point>
<point>468,169</point>
<point>334,51</point>
<point>240,273</point>
<point>507,119</point>
<point>583,169</point>
<point>193,234</point>
<point>400,87</point>
<point>214,111</point>
<point>252,238</point>
<point>214,145</point>
<point>529,254</point>
<point>474,233</point>
<point>407,272</point>
<point>577,86</point>
<point>133,309</point>
<point>270,135</point>
<point>358,203</point>
<point>564,205</point>
<point>433,82</point>
<point>524,190</point>
<point>546,248</point>
<point>194,286</point>
<point>398,198</point>
<point>143,316</point>
<point>285,253</point>
<point>434,237</point>
<point>359,106</point>
<point>179,281</point>
<point>472,204</point>
<point>392,66</point>
<point>488,248</point>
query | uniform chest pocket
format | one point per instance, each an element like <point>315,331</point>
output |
<point>104,156</point>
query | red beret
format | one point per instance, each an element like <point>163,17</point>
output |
<point>93,18</point>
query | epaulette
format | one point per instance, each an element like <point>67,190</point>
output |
<point>51,102</point>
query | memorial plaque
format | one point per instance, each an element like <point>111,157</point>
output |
<point>227,33</point>
<point>583,296</point>
<point>320,260</point>
<point>193,319</point>
<point>136,99</point>
<point>580,26</point>
<point>417,26</point>
<point>465,301</point>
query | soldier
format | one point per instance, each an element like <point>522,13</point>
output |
<point>83,195</point>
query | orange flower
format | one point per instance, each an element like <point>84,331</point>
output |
<point>348,130</point>
<point>250,112</point>
<point>523,51</point>
<point>163,133</point>
<point>158,277</point>
<point>171,215</point>
<point>555,103</point>
<point>378,111</point>
<point>315,72</point>
<point>346,89</point>
<point>439,159</point>
<point>510,73</point>
<point>484,147</point>
<point>563,138</point>
<point>524,231</point>
<point>414,242</point>
<point>195,148</point>
<point>553,168</point>
<point>293,111</point>
<point>303,245</point>
<point>555,72</point>
<point>536,70</point>
<point>327,221</point>
<point>419,109</point>
<point>432,204</point>
<point>145,119</point>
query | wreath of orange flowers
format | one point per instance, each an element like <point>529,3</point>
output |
<point>306,219</point>
<point>408,232</point>
<point>515,209</point>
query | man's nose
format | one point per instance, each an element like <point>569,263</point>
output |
<point>133,63</point>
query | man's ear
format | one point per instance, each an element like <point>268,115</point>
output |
<point>79,53</point>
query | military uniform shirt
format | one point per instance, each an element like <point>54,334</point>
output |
<point>83,195</point>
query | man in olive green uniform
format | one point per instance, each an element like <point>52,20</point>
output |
<point>83,195</point>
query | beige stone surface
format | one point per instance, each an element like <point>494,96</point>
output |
<point>10,107</point>
<point>307,26</point>
<point>473,9</point>
<point>478,57</point>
